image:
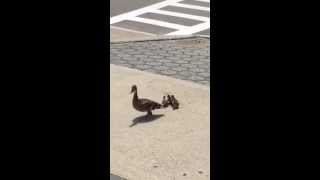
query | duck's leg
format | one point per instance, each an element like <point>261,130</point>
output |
<point>149,113</point>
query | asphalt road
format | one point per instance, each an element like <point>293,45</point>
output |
<point>162,17</point>
<point>115,177</point>
<point>118,7</point>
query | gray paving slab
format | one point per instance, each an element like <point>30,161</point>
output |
<point>186,59</point>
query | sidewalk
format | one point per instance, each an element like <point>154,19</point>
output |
<point>174,146</point>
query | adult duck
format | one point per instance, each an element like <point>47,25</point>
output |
<point>143,105</point>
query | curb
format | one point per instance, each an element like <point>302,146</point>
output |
<point>163,38</point>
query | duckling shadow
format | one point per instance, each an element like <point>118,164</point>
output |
<point>145,119</point>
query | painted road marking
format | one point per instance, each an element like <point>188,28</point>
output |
<point>178,29</point>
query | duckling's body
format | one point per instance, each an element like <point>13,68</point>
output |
<point>143,105</point>
<point>174,103</point>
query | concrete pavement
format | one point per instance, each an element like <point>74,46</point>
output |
<point>174,146</point>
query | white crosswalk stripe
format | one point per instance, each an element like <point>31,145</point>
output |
<point>178,29</point>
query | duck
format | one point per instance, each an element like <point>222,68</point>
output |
<point>143,105</point>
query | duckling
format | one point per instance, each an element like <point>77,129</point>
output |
<point>143,105</point>
<point>165,102</point>
<point>175,103</point>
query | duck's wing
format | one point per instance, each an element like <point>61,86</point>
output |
<point>149,104</point>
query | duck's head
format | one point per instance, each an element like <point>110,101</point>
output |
<point>133,89</point>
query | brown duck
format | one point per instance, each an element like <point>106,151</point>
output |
<point>143,105</point>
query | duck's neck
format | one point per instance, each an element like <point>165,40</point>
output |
<point>135,95</point>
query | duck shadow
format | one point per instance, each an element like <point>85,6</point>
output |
<point>145,119</point>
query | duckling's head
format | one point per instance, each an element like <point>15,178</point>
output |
<point>133,89</point>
